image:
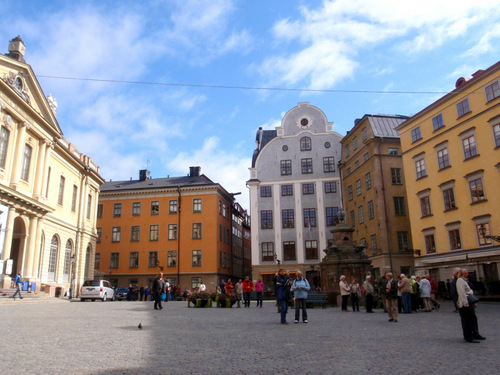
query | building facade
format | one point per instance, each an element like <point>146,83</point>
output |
<point>180,226</point>
<point>374,195</point>
<point>241,251</point>
<point>451,156</point>
<point>48,189</point>
<point>294,193</point>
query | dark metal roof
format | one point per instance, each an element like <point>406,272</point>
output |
<point>267,136</point>
<point>157,183</point>
<point>385,125</point>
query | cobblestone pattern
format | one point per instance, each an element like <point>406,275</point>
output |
<point>62,337</point>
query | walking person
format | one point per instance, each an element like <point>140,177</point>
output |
<point>405,288</point>
<point>141,293</point>
<point>18,282</point>
<point>345,291</point>
<point>391,291</point>
<point>425,293</point>
<point>158,290</point>
<point>369,292</point>
<point>283,283</point>
<point>239,290</point>
<point>300,288</point>
<point>247,289</point>
<point>259,289</point>
<point>355,291</point>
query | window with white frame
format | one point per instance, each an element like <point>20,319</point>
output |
<point>116,234</point>
<point>196,258</point>
<point>442,157</point>
<point>153,259</point>
<point>482,230</point>
<point>469,146</point>
<point>358,187</point>
<point>196,230</point>
<point>420,167</point>
<point>197,205</point>
<point>496,134</point>
<point>172,258</point>
<point>136,208</point>
<point>396,176</point>
<point>361,215</point>
<point>154,232</point>
<point>172,231</point>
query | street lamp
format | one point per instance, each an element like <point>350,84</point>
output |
<point>482,232</point>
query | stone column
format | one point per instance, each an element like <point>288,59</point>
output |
<point>40,171</point>
<point>18,155</point>
<point>30,248</point>
<point>9,231</point>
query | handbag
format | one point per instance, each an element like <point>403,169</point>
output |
<point>164,296</point>
<point>472,299</point>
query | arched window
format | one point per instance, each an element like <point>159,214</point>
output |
<point>54,249</point>
<point>67,261</point>
<point>87,262</point>
<point>305,144</point>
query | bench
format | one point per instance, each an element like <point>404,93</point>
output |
<point>316,298</point>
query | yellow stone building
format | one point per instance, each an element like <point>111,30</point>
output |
<point>451,157</point>
<point>48,189</point>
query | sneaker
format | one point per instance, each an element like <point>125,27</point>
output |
<point>305,321</point>
<point>296,321</point>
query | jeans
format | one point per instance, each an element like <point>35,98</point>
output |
<point>18,291</point>
<point>259,299</point>
<point>407,302</point>
<point>246,299</point>
<point>284,309</point>
<point>300,304</point>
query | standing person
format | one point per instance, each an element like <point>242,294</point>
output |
<point>222,286</point>
<point>369,291</point>
<point>283,283</point>
<point>391,291</point>
<point>167,289</point>
<point>405,288</point>
<point>158,290</point>
<point>146,293</point>
<point>18,282</point>
<point>247,289</point>
<point>345,291</point>
<point>259,289</point>
<point>434,291</point>
<point>467,311</point>
<point>413,293</point>
<point>276,291</point>
<point>300,287</point>
<point>425,293</point>
<point>141,293</point>
<point>355,290</point>
<point>229,287</point>
<point>239,290</point>
<point>400,297</point>
<point>382,283</point>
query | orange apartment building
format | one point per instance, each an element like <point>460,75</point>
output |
<point>180,226</point>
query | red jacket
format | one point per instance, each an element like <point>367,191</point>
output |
<point>247,286</point>
<point>434,286</point>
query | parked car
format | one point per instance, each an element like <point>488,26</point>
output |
<point>121,293</point>
<point>97,289</point>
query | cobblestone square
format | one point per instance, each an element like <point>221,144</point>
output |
<point>63,337</point>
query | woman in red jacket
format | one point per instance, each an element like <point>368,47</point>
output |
<point>247,289</point>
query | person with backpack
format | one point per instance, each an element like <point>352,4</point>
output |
<point>18,281</point>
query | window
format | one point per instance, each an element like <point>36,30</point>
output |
<point>196,258</point>
<point>136,209</point>
<point>25,172</point>
<point>366,157</point>
<point>373,243</point>
<point>134,259</point>
<point>496,134</point>
<point>399,206</point>
<point>286,190</point>
<point>4,143</point>
<point>172,258</point>
<point>116,234</point>
<point>99,211</point>
<point>154,232</point>
<point>358,187</point>
<point>349,192</point>
<point>331,187</point>
<point>346,150</point>
<point>449,199</point>
<point>307,189</point>
<point>115,260</point>
<point>286,167</point>
<point>265,191</point>
<point>155,207</point>
<point>312,250</point>
<point>371,211</point>
<point>454,235</point>
<point>60,198</point>
<point>430,244</point>
<point>305,144</point>
<point>420,168</point>
<point>443,159</point>
<point>425,206</point>
<point>135,233</point>
<point>267,249</point>
<point>89,206</point>
<point>393,151</point>
<point>289,250</point>
<point>307,166</point>
<point>476,190</point>
<point>53,256</point>
<point>195,282</point>
<point>354,143</point>
<point>396,176</point>
<point>492,91</point>
<point>483,230</point>
<point>172,207</point>
<point>97,261</point>
<point>266,219</point>
<point>415,134</point>
<point>287,218</point>
<point>196,231</point>
<point>368,181</point>
<point>353,218</point>
<point>328,164</point>
<point>117,210</point>
<point>99,235</point>
<point>223,210</point>
<point>437,122</point>
<point>361,215</point>
<point>356,164</point>
<point>172,231</point>
<point>74,197</point>
<point>469,145</point>
<point>403,243</point>
<point>309,217</point>
<point>363,134</point>
<point>463,107</point>
<point>153,259</point>
<point>196,205</point>
<point>348,171</point>
<point>331,216</point>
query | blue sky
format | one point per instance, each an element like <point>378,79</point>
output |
<point>350,46</point>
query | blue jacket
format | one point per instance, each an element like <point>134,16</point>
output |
<point>299,292</point>
<point>18,279</point>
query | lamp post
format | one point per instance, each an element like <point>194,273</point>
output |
<point>482,232</point>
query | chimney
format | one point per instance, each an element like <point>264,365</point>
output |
<point>194,171</point>
<point>144,175</point>
<point>17,49</point>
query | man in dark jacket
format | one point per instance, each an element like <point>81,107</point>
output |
<point>158,290</point>
<point>391,291</point>
<point>283,283</point>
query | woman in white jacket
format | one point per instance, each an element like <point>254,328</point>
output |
<point>467,312</point>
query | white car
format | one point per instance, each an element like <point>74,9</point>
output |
<point>97,289</point>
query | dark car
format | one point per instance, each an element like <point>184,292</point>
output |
<point>121,293</point>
